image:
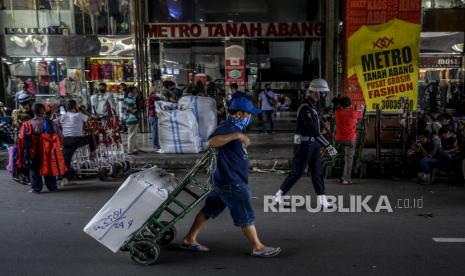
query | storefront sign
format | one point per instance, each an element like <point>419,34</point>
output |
<point>233,30</point>
<point>382,68</point>
<point>384,58</point>
<point>235,64</point>
<point>45,31</point>
<point>441,62</point>
<point>48,45</point>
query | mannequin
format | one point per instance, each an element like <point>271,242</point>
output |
<point>92,8</point>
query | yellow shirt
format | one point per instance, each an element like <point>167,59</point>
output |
<point>385,59</point>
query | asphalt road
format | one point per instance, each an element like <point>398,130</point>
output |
<point>42,234</point>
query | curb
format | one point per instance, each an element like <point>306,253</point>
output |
<point>166,163</point>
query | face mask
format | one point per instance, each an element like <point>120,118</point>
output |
<point>102,90</point>
<point>241,123</point>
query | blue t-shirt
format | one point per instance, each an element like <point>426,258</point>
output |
<point>232,162</point>
<point>262,98</point>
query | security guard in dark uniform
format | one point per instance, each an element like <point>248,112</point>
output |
<point>307,144</point>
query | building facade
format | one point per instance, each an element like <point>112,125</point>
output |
<point>245,42</point>
<point>61,49</point>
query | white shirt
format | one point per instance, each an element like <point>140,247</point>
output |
<point>99,101</point>
<point>72,124</point>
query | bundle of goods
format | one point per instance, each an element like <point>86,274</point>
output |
<point>178,129</point>
<point>130,207</point>
<point>204,109</point>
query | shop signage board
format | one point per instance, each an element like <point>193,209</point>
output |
<point>235,64</point>
<point>48,45</point>
<point>441,62</point>
<point>45,31</point>
<point>382,53</point>
<point>217,30</point>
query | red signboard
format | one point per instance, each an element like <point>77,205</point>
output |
<point>235,71</point>
<point>233,30</point>
<point>373,12</point>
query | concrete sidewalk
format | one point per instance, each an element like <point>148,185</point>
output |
<point>264,152</point>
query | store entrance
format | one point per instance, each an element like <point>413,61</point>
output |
<point>193,65</point>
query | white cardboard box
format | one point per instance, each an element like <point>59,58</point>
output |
<point>130,207</point>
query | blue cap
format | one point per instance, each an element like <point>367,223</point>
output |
<point>243,104</point>
<point>24,97</point>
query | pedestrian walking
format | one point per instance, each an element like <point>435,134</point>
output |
<point>307,144</point>
<point>131,115</point>
<point>267,102</point>
<point>231,187</point>
<point>346,135</point>
<point>153,119</point>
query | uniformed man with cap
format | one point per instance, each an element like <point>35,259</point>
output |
<point>307,143</point>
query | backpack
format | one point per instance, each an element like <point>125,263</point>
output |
<point>271,100</point>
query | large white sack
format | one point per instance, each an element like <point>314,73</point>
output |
<point>130,207</point>
<point>177,128</point>
<point>204,109</point>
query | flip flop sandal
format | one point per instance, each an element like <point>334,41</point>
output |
<point>267,252</point>
<point>20,181</point>
<point>196,247</point>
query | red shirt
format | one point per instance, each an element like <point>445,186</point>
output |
<point>346,124</point>
<point>150,103</point>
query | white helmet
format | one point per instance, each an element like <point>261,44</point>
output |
<point>318,85</point>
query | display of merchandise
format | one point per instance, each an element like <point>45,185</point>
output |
<point>70,87</point>
<point>43,76</point>
<point>110,70</point>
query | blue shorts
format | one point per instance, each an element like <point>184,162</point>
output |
<point>238,199</point>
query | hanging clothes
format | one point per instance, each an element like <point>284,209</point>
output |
<point>107,70</point>
<point>42,69</point>
<point>41,150</point>
<point>31,86</point>
<point>118,71</point>
<point>53,70</point>
<point>128,72</point>
<point>95,72</point>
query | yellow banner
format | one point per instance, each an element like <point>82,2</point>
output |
<point>385,59</point>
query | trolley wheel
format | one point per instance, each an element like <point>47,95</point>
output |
<point>168,236</point>
<point>144,252</point>
<point>102,174</point>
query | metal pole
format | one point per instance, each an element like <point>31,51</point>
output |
<point>137,28</point>
<point>331,33</point>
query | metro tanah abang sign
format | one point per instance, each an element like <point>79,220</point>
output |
<point>233,30</point>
